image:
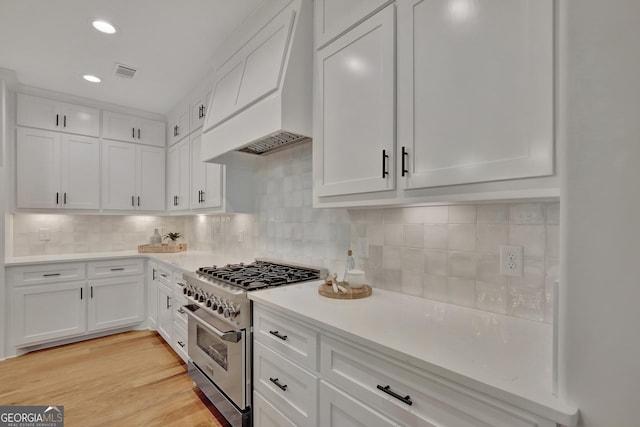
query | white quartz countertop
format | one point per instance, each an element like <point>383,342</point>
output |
<point>186,260</point>
<point>505,357</point>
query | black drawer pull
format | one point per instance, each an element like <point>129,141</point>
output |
<point>277,334</point>
<point>385,156</point>
<point>280,386</point>
<point>404,158</point>
<point>387,389</point>
<point>50,274</point>
<point>118,269</point>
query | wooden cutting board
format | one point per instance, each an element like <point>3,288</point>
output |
<point>327,291</point>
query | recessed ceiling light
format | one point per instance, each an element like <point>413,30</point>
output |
<point>103,26</point>
<point>91,78</point>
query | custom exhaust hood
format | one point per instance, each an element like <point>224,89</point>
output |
<point>261,97</point>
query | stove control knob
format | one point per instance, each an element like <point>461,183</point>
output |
<point>201,298</point>
<point>214,304</point>
<point>196,296</point>
<point>189,292</point>
<point>209,302</point>
<point>230,312</point>
<point>221,307</point>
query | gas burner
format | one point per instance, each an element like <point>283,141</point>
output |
<point>260,274</point>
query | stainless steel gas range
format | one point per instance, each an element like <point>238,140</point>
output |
<point>220,328</point>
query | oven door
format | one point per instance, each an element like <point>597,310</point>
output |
<point>220,354</point>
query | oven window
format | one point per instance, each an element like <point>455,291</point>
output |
<point>211,345</point>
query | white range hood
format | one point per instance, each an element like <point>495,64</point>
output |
<point>261,97</point>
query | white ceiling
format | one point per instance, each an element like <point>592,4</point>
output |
<point>50,44</point>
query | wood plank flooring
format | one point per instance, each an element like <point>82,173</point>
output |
<point>128,379</point>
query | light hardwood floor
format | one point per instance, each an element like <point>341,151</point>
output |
<point>130,379</point>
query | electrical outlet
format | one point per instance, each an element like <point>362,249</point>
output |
<point>44,234</point>
<point>511,261</point>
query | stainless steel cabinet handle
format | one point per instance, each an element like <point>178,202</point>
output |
<point>132,201</point>
<point>50,274</point>
<point>282,387</point>
<point>138,200</point>
<point>117,269</point>
<point>277,334</point>
<point>64,121</point>
<point>153,274</point>
<point>168,302</point>
<point>91,291</point>
<point>133,132</point>
<point>387,389</point>
<point>138,133</point>
<point>65,198</point>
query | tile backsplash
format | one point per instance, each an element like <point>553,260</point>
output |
<point>446,253</point>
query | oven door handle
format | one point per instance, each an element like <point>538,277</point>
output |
<point>231,336</point>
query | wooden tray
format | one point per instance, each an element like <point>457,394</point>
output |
<point>327,291</point>
<point>165,248</point>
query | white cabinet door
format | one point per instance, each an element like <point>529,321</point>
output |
<point>199,111</point>
<point>152,294</point>
<point>165,312</point>
<point>151,132</point>
<point>37,169</point>
<point>80,120</point>
<point>118,175</point>
<point>80,172</point>
<point>150,178</point>
<point>206,180</point>
<point>49,311</point>
<point>53,115</point>
<point>266,415</point>
<point>178,176</point>
<point>115,302</point>
<point>178,124</point>
<point>354,135</point>
<point>38,112</point>
<point>333,17</point>
<point>475,103</point>
<point>338,409</point>
<point>119,127</point>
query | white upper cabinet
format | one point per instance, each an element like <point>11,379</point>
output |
<point>122,127</point>
<point>178,124</point>
<point>333,17</point>
<point>133,177</point>
<point>178,175</point>
<point>206,180</point>
<point>53,115</point>
<point>354,130</point>
<point>199,107</point>
<point>474,104</point>
<point>57,170</point>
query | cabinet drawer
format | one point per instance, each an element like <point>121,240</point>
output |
<point>116,267</point>
<point>266,415</point>
<point>413,397</point>
<point>340,410</point>
<point>46,273</point>
<point>163,275</point>
<point>180,316</point>
<point>180,341</point>
<point>294,340</point>
<point>290,388</point>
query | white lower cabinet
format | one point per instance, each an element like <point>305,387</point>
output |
<point>55,301</point>
<point>165,312</point>
<point>338,409</point>
<point>47,312</point>
<point>357,385</point>
<point>115,302</point>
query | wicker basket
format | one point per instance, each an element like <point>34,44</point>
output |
<point>164,248</point>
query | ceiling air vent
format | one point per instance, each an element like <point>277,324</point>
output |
<point>124,71</point>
